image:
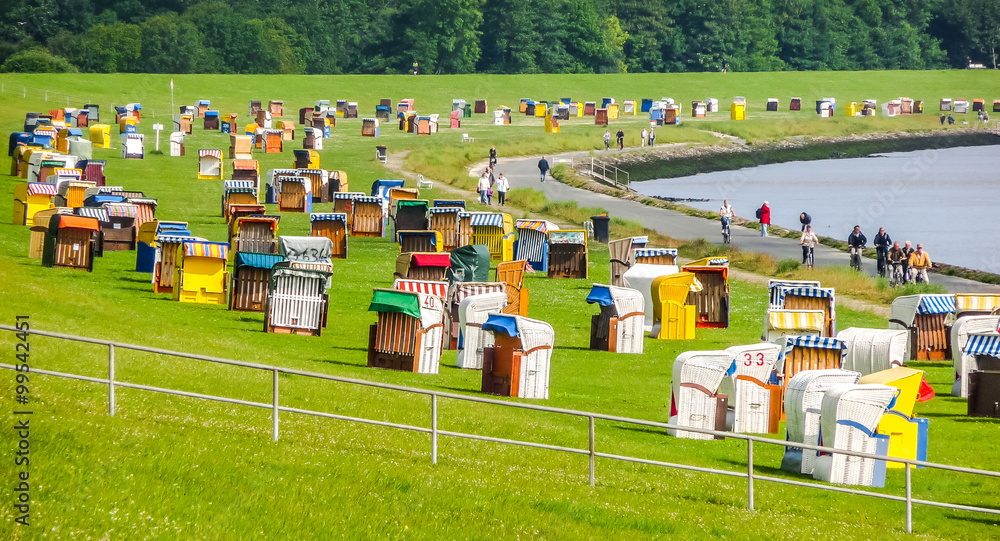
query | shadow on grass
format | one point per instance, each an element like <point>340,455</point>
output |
<point>349,349</point>
<point>341,363</point>
<point>967,419</point>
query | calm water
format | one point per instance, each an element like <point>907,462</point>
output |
<point>948,200</point>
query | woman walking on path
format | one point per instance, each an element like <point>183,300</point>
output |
<point>607,139</point>
<point>764,215</point>
<point>808,241</point>
<point>483,187</point>
<point>642,138</point>
<point>493,156</point>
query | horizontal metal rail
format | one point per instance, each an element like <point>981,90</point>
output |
<point>749,475</point>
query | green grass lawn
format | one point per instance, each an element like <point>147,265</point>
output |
<point>169,467</point>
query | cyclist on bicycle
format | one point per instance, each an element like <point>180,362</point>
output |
<point>882,244</point>
<point>808,241</point>
<point>920,261</point>
<point>726,213</point>
<point>857,241</point>
<point>897,257</point>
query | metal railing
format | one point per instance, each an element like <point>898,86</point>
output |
<point>435,432</point>
<point>604,171</point>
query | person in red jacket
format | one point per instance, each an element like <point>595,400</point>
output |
<point>765,218</point>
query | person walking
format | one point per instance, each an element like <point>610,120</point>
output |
<point>493,156</point>
<point>808,241</point>
<point>491,181</point>
<point>882,243</point>
<point>920,261</point>
<point>764,215</point>
<point>543,166</point>
<point>805,219</point>
<point>621,139</point>
<point>642,138</point>
<point>607,139</point>
<point>652,137</point>
<point>502,186</point>
<point>483,187</point>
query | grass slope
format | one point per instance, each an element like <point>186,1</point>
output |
<point>169,467</point>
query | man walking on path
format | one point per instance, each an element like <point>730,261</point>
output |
<point>642,138</point>
<point>543,166</point>
<point>621,139</point>
<point>607,139</point>
<point>764,215</point>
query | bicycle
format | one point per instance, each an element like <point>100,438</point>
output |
<point>810,258</point>
<point>881,261</point>
<point>856,257</point>
<point>896,275</point>
<point>727,234</point>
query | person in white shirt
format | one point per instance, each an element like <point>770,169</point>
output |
<point>808,241</point>
<point>484,187</point>
<point>642,139</point>
<point>502,186</point>
<point>726,213</point>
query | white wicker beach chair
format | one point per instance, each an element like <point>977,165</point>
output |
<point>963,362</point>
<point>472,313</point>
<point>626,307</point>
<point>521,359</point>
<point>874,350</point>
<point>803,399</point>
<point>749,389</point>
<point>849,416</point>
<point>695,399</point>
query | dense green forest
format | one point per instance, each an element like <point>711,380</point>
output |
<point>495,36</point>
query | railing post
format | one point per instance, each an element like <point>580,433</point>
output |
<point>111,380</point>
<point>909,501</point>
<point>750,474</point>
<point>274,399</point>
<point>434,428</point>
<point>592,476</point>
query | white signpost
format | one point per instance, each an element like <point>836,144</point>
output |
<point>158,128</point>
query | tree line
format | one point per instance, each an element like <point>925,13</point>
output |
<point>495,36</point>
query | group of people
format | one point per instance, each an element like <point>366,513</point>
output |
<point>912,262</point>
<point>646,137</point>
<point>726,213</point>
<point>490,183</point>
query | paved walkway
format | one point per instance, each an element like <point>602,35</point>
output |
<point>523,173</point>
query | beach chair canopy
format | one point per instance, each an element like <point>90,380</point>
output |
<point>379,187</point>
<point>311,249</point>
<point>907,307</point>
<point>257,261</point>
<point>473,260</point>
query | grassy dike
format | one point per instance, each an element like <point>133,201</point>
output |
<point>175,468</point>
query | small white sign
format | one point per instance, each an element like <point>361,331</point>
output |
<point>157,127</point>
